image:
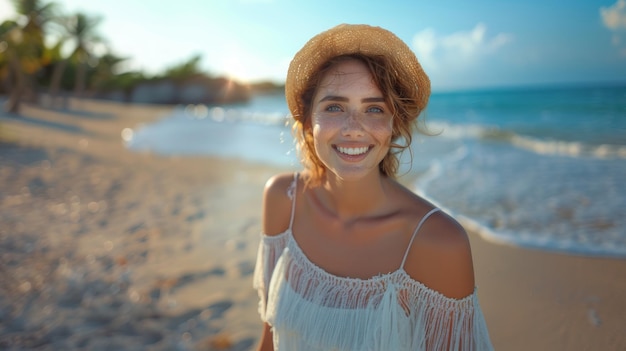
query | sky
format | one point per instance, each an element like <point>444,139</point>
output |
<point>461,44</point>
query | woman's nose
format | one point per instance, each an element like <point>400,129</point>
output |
<point>352,125</point>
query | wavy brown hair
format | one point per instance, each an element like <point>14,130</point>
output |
<point>404,109</point>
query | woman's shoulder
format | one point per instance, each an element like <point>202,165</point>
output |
<point>277,203</point>
<point>279,183</point>
<point>440,255</point>
<point>439,229</point>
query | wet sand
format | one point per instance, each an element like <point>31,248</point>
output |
<point>102,248</point>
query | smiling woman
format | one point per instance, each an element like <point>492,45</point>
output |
<point>349,258</point>
<point>351,123</point>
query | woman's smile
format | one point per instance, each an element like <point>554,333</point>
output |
<point>353,153</point>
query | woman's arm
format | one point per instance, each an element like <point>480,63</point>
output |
<point>441,259</point>
<point>266,343</point>
<point>275,220</point>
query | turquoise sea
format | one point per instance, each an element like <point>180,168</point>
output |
<point>540,167</point>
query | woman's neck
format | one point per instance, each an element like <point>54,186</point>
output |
<point>351,199</point>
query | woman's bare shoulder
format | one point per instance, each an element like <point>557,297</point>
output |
<point>277,204</point>
<point>278,183</point>
<point>440,256</point>
<point>439,229</point>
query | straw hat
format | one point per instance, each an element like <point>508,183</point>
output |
<point>348,39</point>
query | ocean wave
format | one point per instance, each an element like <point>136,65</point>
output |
<point>536,145</point>
<point>568,148</point>
<point>541,242</point>
<point>456,131</point>
<point>232,114</point>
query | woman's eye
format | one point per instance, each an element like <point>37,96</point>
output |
<point>375,109</point>
<point>333,108</point>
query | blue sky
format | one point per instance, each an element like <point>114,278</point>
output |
<point>461,44</point>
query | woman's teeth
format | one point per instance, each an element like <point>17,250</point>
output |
<point>352,150</point>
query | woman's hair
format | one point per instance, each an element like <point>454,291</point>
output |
<point>405,111</point>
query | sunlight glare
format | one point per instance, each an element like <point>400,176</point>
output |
<point>6,10</point>
<point>234,67</point>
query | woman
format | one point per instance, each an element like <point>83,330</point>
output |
<point>349,258</point>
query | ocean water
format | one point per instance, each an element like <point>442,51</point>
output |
<point>539,167</point>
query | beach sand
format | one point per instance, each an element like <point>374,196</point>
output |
<point>102,248</point>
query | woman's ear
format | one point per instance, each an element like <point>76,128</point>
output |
<point>307,127</point>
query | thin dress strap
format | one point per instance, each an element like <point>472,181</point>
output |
<point>419,225</point>
<point>291,192</point>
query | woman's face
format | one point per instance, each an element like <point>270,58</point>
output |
<point>351,123</point>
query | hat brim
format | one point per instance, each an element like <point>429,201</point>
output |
<point>346,39</point>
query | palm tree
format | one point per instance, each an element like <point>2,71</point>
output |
<point>185,69</point>
<point>10,67</point>
<point>105,75</point>
<point>37,14</point>
<point>24,47</point>
<point>58,62</point>
<point>82,29</point>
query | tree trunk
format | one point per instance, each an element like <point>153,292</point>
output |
<point>81,76</point>
<point>55,83</point>
<point>17,91</point>
<point>15,99</point>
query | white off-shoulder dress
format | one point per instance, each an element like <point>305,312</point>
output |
<point>310,309</point>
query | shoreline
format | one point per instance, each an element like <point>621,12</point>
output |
<point>107,248</point>
<point>503,209</point>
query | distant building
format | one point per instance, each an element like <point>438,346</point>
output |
<point>193,90</point>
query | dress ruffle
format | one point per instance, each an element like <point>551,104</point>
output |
<point>310,309</point>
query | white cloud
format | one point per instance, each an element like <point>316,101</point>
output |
<point>456,50</point>
<point>614,17</point>
<point>425,43</point>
